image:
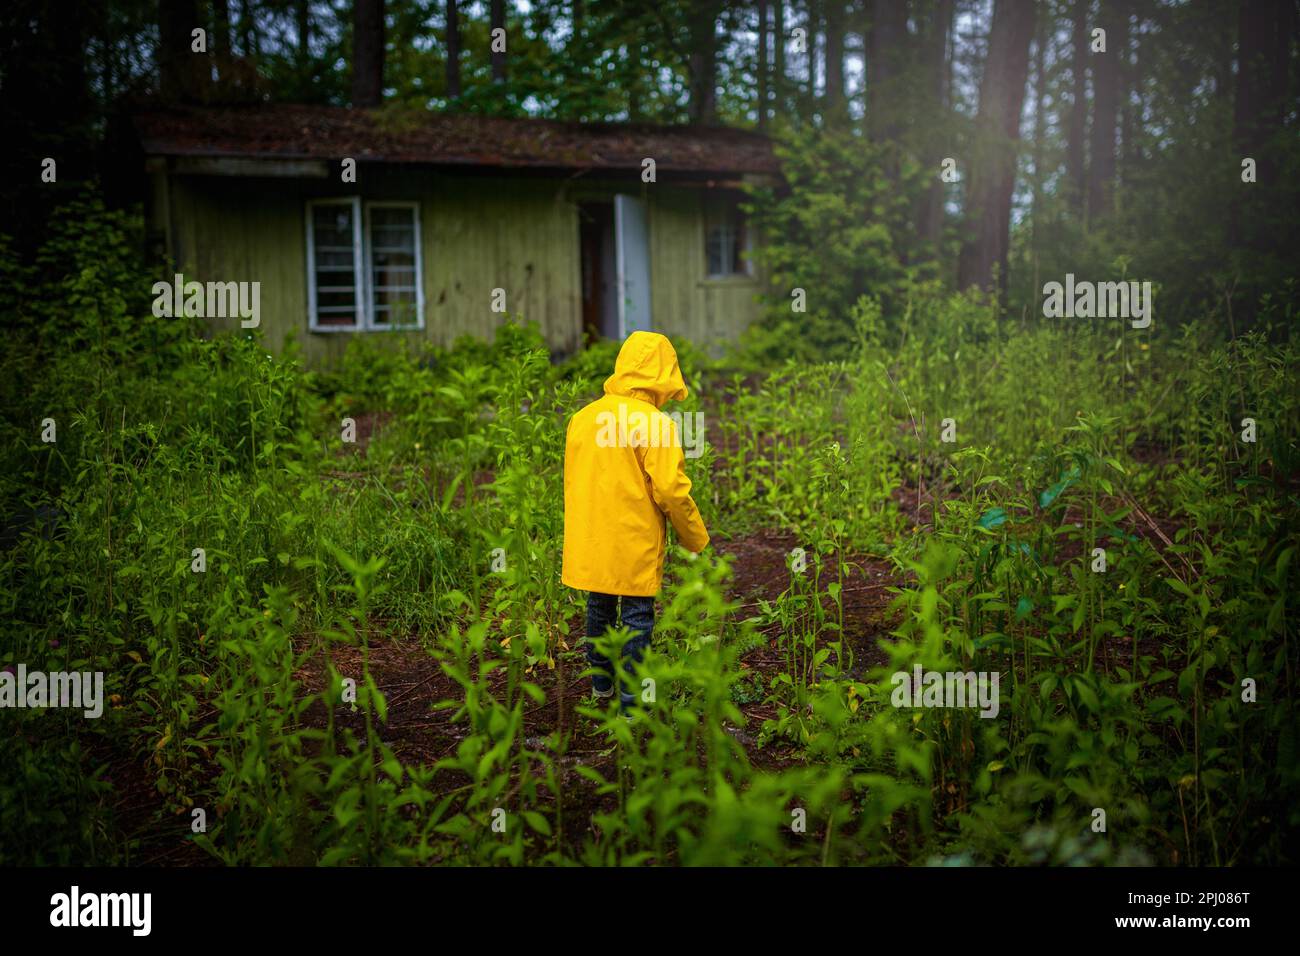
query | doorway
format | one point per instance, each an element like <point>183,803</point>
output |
<point>614,243</point>
<point>599,279</point>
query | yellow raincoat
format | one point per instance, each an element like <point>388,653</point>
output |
<point>621,479</point>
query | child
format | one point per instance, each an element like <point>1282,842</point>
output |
<point>624,471</point>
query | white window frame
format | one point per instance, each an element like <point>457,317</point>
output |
<point>362,266</point>
<point>418,325</point>
<point>358,264</point>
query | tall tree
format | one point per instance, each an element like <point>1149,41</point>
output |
<point>302,12</point>
<point>778,51</point>
<point>367,52</point>
<point>762,64</point>
<point>1130,101</point>
<point>702,25</point>
<point>179,68</point>
<point>1075,149</point>
<point>993,157</point>
<point>834,92</point>
<point>886,59</point>
<point>812,24</point>
<point>1106,68</point>
<point>1036,212</point>
<point>498,15</point>
<point>938,67</point>
<point>1265,32</point>
<point>453,50</point>
<point>220,28</point>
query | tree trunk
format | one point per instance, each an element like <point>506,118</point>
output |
<point>179,69</point>
<point>812,26</point>
<point>1130,87</point>
<point>1075,159</point>
<point>303,11</point>
<point>778,55</point>
<point>1105,105</point>
<point>367,52</point>
<point>931,215</point>
<point>1263,40</point>
<point>762,64</point>
<point>1264,36</point>
<point>220,46</point>
<point>703,62</point>
<point>1040,137</point>
<point>886,57</point>
<point>997,136</point>
<point>834,92</point>
<point>498,58</point>
<point>453,50</point>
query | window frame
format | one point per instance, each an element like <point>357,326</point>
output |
<point>368,239</point>
<point>363,265</point>
<point>729,209</point>
<point>358,279</point>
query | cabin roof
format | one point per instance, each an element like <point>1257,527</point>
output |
<point>388,135</point>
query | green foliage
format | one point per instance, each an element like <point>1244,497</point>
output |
<point>254,690</point>
<point>838,231</point>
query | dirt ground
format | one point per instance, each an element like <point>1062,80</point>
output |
<point>412,680</point>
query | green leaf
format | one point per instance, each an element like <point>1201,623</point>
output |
<point>1046,498</point>
<point>1087,696</point>
<point>537,822</point>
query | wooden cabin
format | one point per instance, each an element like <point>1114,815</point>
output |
<point>436,226</point>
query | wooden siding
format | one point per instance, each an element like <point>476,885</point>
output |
<point>477,233</point>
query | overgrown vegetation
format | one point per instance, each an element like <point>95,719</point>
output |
<point>231,690</point>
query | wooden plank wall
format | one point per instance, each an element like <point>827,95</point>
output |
<point>477,234</point>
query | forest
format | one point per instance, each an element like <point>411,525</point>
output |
<point>1016,424</point>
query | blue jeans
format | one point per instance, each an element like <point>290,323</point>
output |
<point>638,616</point>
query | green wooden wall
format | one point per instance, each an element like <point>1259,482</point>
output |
<point>477,233</point>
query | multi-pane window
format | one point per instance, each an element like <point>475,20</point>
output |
<point>726,241</point>
<point>334,247</point>
<point>363,265</point>
<point>392,269</point>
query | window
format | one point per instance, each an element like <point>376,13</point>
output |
<point>392,244</point>
<point>364,265</point>
<point>726,241</point>
<point>334,264</point>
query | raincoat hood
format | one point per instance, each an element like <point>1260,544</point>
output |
<point>647,369</point>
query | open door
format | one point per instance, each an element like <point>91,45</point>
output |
<point>599,281</point>
<point>632,242</point>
